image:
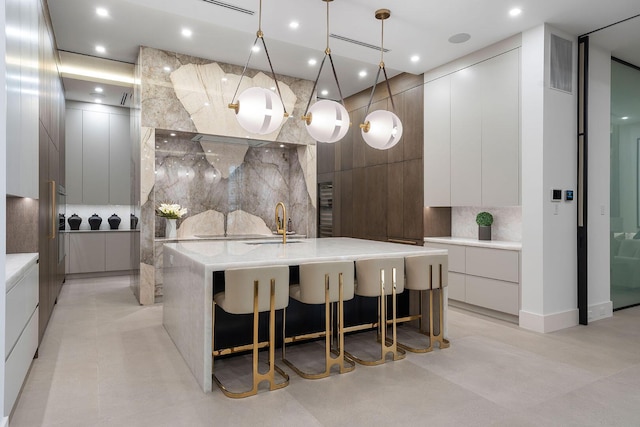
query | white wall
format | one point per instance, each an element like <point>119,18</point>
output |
<point>3,206</point>
<point>549,256</point>
<point>599,185</point>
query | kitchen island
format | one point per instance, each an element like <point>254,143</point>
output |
<point>189,269</point>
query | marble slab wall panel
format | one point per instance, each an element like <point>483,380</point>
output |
<point>22,225</point>
<point>136,178</point>
<point>507,222</point>
<point>186,93</point>
<point>147,216</point>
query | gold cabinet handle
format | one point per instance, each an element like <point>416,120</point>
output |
<point>52,188</point>
<point>406,242</point>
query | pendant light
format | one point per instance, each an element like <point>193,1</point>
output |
<point>259,110</point>
<point>382,129</point>
<point>326,120</point>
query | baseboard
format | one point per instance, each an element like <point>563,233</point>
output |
<point>549,322</point>
<point>600,311</point>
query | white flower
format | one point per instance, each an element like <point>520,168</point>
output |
<point>170,210</point>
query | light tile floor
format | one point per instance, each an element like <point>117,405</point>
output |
<point>106,361</point>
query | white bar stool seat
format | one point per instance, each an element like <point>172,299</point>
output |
<point>324,283</point>
<point>254,290</point>
<point>428,273</point>
<point>379,277</point>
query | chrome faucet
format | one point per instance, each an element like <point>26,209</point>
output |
<point>281,227</point>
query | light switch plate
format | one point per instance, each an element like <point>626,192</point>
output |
<point>556,195</point>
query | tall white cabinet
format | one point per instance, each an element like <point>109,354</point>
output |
<point>472,135</point>
<point>98,155</point>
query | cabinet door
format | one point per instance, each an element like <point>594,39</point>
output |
<point>86,252</point>
<point>119,160</point>
<point>118,251</point>
<point>395,200</point>
<point>437,142</point>
<point>413,205</point>
<point>95,155</point>
<point>501,130</point>
<point>74,156</point>
<point>466,134</point>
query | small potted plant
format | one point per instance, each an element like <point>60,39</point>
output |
<point>484,221</point>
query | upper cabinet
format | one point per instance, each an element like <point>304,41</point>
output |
<point>22,98</point>
<point>98,155</point>
<point>472,135</point>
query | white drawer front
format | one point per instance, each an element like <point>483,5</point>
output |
<point>22,300</point>
<point>494,294</point>
<point>19,361</point>
<point>456,255</point>
<point>493,263</point>
<point>457,286</point>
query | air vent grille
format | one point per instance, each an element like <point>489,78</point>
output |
<point>126,96</point>
<point>359,43</point>
<point>230,6</point>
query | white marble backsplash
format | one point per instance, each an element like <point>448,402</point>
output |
<point>103,211</point>
<point>507,222</point>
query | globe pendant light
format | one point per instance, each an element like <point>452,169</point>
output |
<point>259,110</point>
<point>326,120</point>
<point>382,129</point>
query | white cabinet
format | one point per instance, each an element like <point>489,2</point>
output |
<point>484,277</point>
<point>21,336</point>
<point>22,98</point>
<point>437,142</point>
<point>501,130</point>
<point>466,138</point>
<point>98,155</point>
<point>102,251</point>
<point>472,135</point>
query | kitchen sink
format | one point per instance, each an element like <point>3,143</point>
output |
<point>272,242</point>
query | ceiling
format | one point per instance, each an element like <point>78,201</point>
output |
<point>416,28</point>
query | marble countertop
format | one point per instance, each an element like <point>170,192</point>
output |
<point>16,266</point>
<point>200,237</point>
<point>220,255</point>
<point>463,241</point>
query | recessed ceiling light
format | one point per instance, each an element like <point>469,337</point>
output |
<point>324,92</point>
<point>294,24</point>
<point>101,11</point>
<point>99,89</point>
<point>98,101</point>
<point>515,11</point>
<point>273,88</point>
<point>206,104</point>
<point>172,134</point>
<point>187,32</point>
<point>100,49</point>
<point>165,140</point>
<point>167,69</point>
<point>625,118</point>
<point>415,58</point>
<point>224,79</point>
<point>312,62</point>
<point>459,38</point>
<point>362,73</point>
<point>281,145</point>
<point>255,49</point>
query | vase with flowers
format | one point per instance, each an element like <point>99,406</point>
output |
<point>171,212</point>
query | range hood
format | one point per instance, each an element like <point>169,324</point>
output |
<point>230,140</point>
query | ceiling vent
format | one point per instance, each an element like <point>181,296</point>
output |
<point>359,43</point>
<point>230,140</point>
<point>126,96</point>
<point>231,7</point>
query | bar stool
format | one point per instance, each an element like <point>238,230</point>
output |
<point>254,290</point>
<point>379,277</point>
<point>428,273</point>
<point>324,283</point>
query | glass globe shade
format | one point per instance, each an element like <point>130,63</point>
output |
<point>385,129</point>
<point>329,121</point>
<point>259,110</point>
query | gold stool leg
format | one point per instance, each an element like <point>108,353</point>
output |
<point>444,343</point>
<point>270,374</point>
<point>392,347</point>
<point>330,361</point>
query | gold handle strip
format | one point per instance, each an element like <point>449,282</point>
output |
<point>406,242</point>
<point>52,188</point>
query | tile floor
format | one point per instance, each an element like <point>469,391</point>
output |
<point>106,361</point>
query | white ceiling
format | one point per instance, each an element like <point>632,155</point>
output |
<point>416,27</point>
